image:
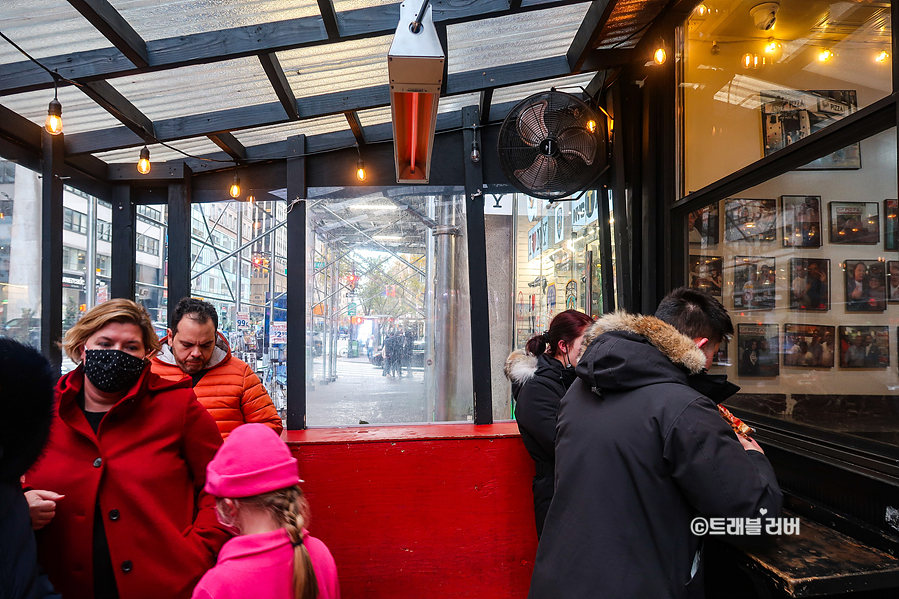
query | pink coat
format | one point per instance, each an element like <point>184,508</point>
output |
<point>261,566</point>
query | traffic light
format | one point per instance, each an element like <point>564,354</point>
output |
<point>351,281</point>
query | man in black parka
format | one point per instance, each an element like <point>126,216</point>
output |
<point>641,450</point>
<point>26,405</point>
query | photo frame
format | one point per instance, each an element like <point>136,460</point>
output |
<point>809,346</point>
<point>748,220</point>
<point>706,274</point>
<point>757,350</point>
<point>789,116</point>
<point>891,225</point>
<point>801,221</point>
<point>893,282</point>
<point>866,286</point>
<point>809,281</point>
<point>722,358</point>
<point>864,347</point>
<point>854,223</point>
<point>754,283</point>
<point>702,227</point>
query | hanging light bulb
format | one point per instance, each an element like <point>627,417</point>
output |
<point>825,55</point>
<point>882,56</point>
<point>475,151</point>
<point>716,49</point>
<point>251,199</point>
<point>54,117</point>
<point>235,188</point>
<point>746,61</point>
<point>360,169</point>
<point>660,56</point>
<point>591,126</point>
<point>771,46</point>
<point>143,165</point>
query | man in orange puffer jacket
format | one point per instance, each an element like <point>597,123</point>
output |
<point>226,386</point>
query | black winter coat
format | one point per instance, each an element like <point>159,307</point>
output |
<point>539,385</point>
<point>637,459</point>
<point>26,405</point>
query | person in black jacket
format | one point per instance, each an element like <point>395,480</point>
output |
<point>641,451</point>
<point>540,378</point>
<point>27,403</point>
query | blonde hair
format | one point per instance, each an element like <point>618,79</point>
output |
<point>289,508</point>
<point>115,310</point>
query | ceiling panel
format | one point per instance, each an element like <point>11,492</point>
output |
<point>45,28</point>
<point>196,146</point>
<point>346,65</point>
<point>516,93</point>
<point>79,113</point>
<point>264,135</point>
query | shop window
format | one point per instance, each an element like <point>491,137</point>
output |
<point>75,221</point>
<point>147,244</point>
<point>747,92</point>
<point>72,259</point>
<point>104,265</point>
<point>807,264</point>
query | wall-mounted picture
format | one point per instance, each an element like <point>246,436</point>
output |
<point>702,226</point>
<point>722,358</point>
<point>752,221</point>
<point>809,284</point>
<point>854,222</point>
<point>791,115</point>
<point>866,288</point>
<point>754,279</point>
<point>893,282</point>
<point>809,345</point>
<point>864,347</point>
<point>757,350</point>
<point>891,225</point>
<point>706,274</point>
<point>801,217</point>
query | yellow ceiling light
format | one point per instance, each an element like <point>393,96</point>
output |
<point>825,55</point>
<point>143,165</point>
<point>771,46</point>
<point>882,57</point>
<point>660,56</point>
<point>235,188</point>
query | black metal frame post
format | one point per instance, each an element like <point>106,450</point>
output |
<point>623,240</point>
<point>296,283</point>
<point>477,271</point>
<point>609,301</point>
<point>179,241</point>
<point>123,243</point>
<point>52,147</point>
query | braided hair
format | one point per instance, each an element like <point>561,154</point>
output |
<point>291,510</point>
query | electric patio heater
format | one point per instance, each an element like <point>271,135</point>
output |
<point>415,67</point>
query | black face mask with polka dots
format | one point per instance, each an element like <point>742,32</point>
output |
<point>112,370</point>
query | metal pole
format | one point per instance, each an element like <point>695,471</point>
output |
<point>430,313</point>
<point>446,335</point>
<point>90,278</point>
<point>239,286</point>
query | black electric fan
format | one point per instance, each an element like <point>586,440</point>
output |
<point>552,145</point>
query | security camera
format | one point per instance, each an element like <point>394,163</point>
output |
<point>764,15</point>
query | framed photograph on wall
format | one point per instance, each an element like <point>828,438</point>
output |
<point>702,227</point>
<point>791,115</point>
<point>706,274</point>
<point>754,279</point>
<point>810,284</point>
<point>864,347</point>
<point>809,345</point>
<point>801,218</point>
<point>722,358</point>
<point>891,225</point>
<point>893,282</point>
<point>757,350</point>
<point>753,221</point>
<point>866,286</point>
<point>855,222</point>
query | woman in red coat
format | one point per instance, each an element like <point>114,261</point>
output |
<point>121,511</point>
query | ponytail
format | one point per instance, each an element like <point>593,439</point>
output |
<point>537,344</point>
<point>291,509</point>
<point>566,326</point>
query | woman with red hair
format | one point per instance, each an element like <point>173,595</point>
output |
<point>540,376</point>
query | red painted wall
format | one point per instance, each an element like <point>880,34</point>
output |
<point>428,511</point>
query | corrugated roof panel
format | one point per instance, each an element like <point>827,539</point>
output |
<point>45,28</point>
<point>155,19</point>
<point>79,113</point>
<point>198,89</point>
<point>197,146</point>
<point>264,135</point>
<point>514,38</point>
<point>346,65</point>
<point>516,93</point>
<point>344,5</point>
<point>376,116</point>
<point>628,22</point>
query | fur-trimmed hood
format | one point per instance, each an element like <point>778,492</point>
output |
<point>520,367</point>
<point>27,402</point>
<point>628,351</point>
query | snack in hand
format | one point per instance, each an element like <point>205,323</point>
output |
<point>740,427</point>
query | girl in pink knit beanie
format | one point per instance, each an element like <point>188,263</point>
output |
<point>256,484</point>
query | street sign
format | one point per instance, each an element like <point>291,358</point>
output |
<point>351,310</point>
<point>243,321</point>
<point>278,332</point>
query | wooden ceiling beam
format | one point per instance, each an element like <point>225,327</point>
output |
<point>115,28</point>
<point>272,67</point>
<point>329,16</point>
<point>484,105</point>
<point>352,119</point>
<point>107,97</point>
<point>230,145</point>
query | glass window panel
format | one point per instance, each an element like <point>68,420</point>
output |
<point>150,269</point>
<point>387,313</point>
<point>347,65</point>
<point>154,20</point>
<point>747,93</point>
<point>264,135</point>
<point>807,264</point>
<point>198,89</point>
<point>79,113</point>
<point>43,28</point>
<point>514,38</point>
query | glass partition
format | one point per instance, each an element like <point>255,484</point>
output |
<point>151,263</point>
<point>807,265</point>
<point>747,91</point>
